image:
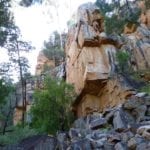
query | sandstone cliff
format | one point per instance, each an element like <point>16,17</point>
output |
<point>42,63</point>
<point>91,61</point>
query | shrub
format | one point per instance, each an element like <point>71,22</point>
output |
<point>18,133</point>
<point>122,57</point>
<point>51,109</point>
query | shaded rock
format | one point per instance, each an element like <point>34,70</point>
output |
<point>98,143</point>
<point>142,94</point>
<point>131,119</point>
<point>146,118</point>
<point>62,139</point>
<point>98,135</point>
<point>114,138</point>
<point>80,123</point>
<point>144,131</point>
<point>125,136</point>
<point>120,146</point>
<point>93,117</point>
<point>109,115</point>
<point>74,134</point>
<point>95,124</point>
<point>119,120</point>
<point>133,103</point>
<point>147,100</point>
<point>143,146</point>
<point>148,111</point>
<point>140,113</point>
<point>81,145</point>
<point>108,146</point>
<point>133,142</point>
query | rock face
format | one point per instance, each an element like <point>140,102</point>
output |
<point>43,61</point>
<point>91,64</point>
<point>31,84</point>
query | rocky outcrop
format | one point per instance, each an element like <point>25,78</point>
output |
<point>91,64</point>
<point>42,63</point>
<point>138,46</point>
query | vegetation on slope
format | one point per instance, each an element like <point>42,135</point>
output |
<point>51,110</point>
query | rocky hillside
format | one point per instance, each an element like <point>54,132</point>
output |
<point>100,80</point>
<point>125,127</point>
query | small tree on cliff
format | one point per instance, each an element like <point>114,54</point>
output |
<point>117,14</point>
<point>52,48</point>
<point>122,57</point>
<point>51,108</point>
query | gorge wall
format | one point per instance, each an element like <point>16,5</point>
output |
<point>91,64</point>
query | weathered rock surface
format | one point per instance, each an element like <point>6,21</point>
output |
<point>91,64</point>
<point>96,132</point>
<point>43,61</point>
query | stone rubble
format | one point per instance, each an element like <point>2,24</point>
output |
<point>118,128</point>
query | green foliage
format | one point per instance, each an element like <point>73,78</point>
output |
<point>18,133</point>
<point>52,48</point>
<point>6,21</point>
<point>51,108</point>
<point>117,15</point>
<point>104,6</point>
<point>4,91</point>
<point>145,88</point>
<point>114,24</point>
<point>147,4</point>
<point>122,58</point>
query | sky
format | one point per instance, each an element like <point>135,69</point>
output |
<point>38,21</point>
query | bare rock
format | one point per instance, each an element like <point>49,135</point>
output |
<point>125,136</point>
<point>120,146</point>
<point>114,138</point>
<point>143,146</point>
<point>81,144</point>
<point>108,146</point>
<point>119,120</point>
<point>144,131</point>
<point>95,124</point>
<point>133,142</point>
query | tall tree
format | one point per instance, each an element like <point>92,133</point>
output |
<point>16,49</point>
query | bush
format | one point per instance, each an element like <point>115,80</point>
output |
<point>18,133</point>
<point>122,57</point>
<point>51,109</point>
